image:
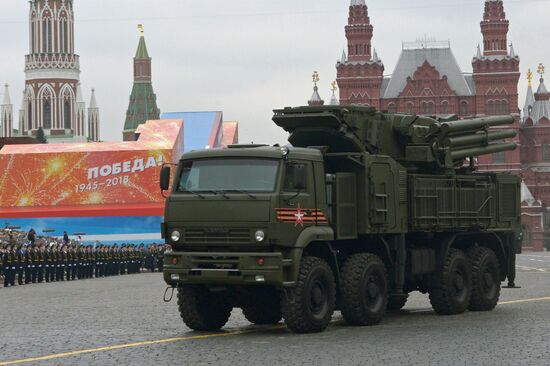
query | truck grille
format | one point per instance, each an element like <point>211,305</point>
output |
<point>216,235</point>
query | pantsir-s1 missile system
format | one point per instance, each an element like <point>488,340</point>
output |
<point>361,210</point>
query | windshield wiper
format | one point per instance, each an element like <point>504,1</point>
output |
<point>193,192</point>
<point>218,192</point>
<point>241,191</point>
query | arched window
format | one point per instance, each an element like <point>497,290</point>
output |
<point>463,108</point>
<point>504,107</point>
<point>46,35</point>
<point>490,107</point>
<point>67,114</point>
<point>427,107</point>
<point>445,107</point>
<point>499,158</point>
<point>47,114</point>
<point>545,152</point>
<point>30,116</point>
<point>410,108</point>
<point>63,37</point>
<point>392,108</point>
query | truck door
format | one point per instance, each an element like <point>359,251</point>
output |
<point>297,207</point>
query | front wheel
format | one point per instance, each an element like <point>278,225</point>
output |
<point>452,284</point>
<point>364,290</point>
<point>485,279</point>
<point>201,310</point>
<point>308,307</point>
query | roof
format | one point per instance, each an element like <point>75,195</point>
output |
<point>93,102</point>
<point>541,107</point>
<point>201,129</point>
<point>441,58</point>
<point>141,52</point>
<point>529,101</point>
<point>357,2</point>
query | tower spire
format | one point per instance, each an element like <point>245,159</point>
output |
<point>80,112</point>
<point>93,119</point>
<point>494,28</point>
<point>143,101</point>
<point>359,32</point>
<point>6,114</point>
<point>315,97</point>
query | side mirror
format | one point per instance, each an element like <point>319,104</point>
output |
<point>300,177</point>
<point>165,178</point>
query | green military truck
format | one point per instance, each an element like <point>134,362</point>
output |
<point>361,210</point>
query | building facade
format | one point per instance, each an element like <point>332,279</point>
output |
<point>427,80</point>
<point>52,99</point>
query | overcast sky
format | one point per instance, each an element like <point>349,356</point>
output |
<point>246,57</point>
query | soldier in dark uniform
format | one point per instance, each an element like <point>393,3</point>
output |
<point>142,255</point>
<point>35,263</point>
<point>74,262</point>
<point>2,251</point>
<point>20,264</point>
<point>26,264</point>
<point>59,265</point>
<point>8,260</point>
<point>160,256</point>
<point>47,263</point>
<point>96,261</point>
<point>40,259</point>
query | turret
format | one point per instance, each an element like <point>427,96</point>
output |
<point>6,114</point>
<point>419,143</point>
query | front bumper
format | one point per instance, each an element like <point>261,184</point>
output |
<point>209,268</point>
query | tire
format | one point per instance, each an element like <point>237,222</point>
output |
<point>452,286</point>
<point>397,303</point>
<point>485,279</point>
<point>364,290</point>
<point>308,307</point>
<point>202,310</point>
<point>264,307</point>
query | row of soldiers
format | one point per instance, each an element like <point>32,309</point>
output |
<point>66,262</point>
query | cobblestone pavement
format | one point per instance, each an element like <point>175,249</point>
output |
<point>121,313</point>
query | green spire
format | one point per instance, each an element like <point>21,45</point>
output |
<point>142,53</point>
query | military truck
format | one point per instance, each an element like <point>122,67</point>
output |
<point>360,210</point>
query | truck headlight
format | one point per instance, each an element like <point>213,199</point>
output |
<point>259,235</point>
<point>175,236</point>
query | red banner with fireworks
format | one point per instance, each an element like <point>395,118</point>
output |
<point>89,175</point>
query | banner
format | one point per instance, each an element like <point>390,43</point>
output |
<point>95,174</point>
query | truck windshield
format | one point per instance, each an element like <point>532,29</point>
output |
<point>220,174</point>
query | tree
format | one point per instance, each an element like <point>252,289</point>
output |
<point>41,136</point>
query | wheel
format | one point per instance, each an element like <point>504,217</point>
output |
<point>364,289</point>
<point>485,279</point>
<point>264,307</point>
<point>452,285</point>
<point>308,307</point>
<point>397,303</point>
<point>201,310</point>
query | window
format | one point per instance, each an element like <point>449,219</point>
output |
<point>445,107</point>
<point>410,108</point>
<point>545,152</point>
<point>229,174</point>
<point>464,108</point>
<point>47,36</point>
<point>499,158</point>
<point>30,116</point>
<point>67,115</point>
<point>47,111</point>
<point>490,107</point>
<point>290,177</point>
<point>427,107</point>
<point>527,235</point>
<point>392,108</point>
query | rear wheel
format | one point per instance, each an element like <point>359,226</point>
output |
<point>485,279</point>
<point>263,307</point>
<point>364,289</point>
<point>452,284</point>
<point>201,310</point>
<point>308,307</point>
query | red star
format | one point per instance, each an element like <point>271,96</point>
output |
<point>299,216</point>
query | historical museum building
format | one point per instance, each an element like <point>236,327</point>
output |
<point>52,99</point>
<point>427,79</point>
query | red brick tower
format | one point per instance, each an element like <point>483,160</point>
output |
<point>496,76</point>
<point>52,71</point>
<point>360,73</point>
